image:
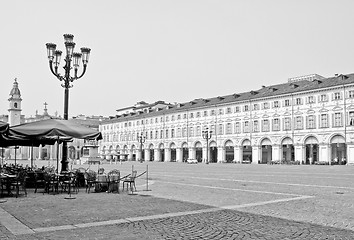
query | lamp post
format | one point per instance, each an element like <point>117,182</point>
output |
<point>141,140</point>
<point>72,59</point>
<point>207,135</point>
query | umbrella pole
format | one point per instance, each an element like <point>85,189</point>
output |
<point>58,155</point>
<point>15,154</point>
<point>32,156</point>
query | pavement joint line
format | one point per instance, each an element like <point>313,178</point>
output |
<point>15,226</point>
<point>158,216</point>
<point>249,181</point>
<point>233,189</point>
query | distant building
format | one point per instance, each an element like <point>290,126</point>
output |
<point>307,120</point>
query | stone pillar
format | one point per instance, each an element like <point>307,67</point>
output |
<point>276,156</point>
<point>205,154</point>
<point>221,154</point>
<point>156,155</point>
<point>40,152</point>
<point>299,153</point>
<point>147,155</point>
<point>191,154</point>
<point>138,155</point>
<point>350,153</point>
<point>179,155</point>
<point>324,152</point>
<point>167,155</point>
<point>130,156</point>
<point>237,154</point>
<point>256,152</point>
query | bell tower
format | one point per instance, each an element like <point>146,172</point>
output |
<point>15,105</point>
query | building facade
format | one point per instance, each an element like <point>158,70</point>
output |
<point>307,120</point>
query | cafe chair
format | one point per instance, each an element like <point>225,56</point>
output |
<point>113,181</point>
<point>130,180</point>
<point>20,182</point>
<point>90,179</point>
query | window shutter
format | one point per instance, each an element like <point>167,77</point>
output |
<point>333,125</point>
<point>307,122</point>
<point>314,121</point>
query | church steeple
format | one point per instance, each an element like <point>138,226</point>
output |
<point>15,105</point>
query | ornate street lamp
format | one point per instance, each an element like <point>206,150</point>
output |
<point>72,60</point>
<point>207,135</point>
<point>141,140</point>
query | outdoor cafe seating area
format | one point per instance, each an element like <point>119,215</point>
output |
<point>15,180</point>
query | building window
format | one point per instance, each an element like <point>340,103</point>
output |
<point>276,124</point>
<point>311,122</point>
<point>167,119</point>
<point>179,133</point>
<point>15,104</point>
<point>298,101</point>
<point>166,133</point>
<point>237,127</point>
<point>324,120</point>
<point>287,124</point>
<point>311,99</point>
<point>172,118</point>
<point>220,129</point>
<point>338,120</point>
<point>246,127</point>
<point>266,105</point>
<point>178,117</point>
<point>351,94</point>
<point>212,128</point>
<point>151,135</point>
<point>287,103</point>
<point>199,132</point>
<point>156,134</point>
<point>212,113</point>
<point>191,131</point>
<point>323,98</point>
<point>191,115</point>
<point>185,116</point>
<point>172,133</point>
<point>228,128</point>
<point>205,113</point>
<point>337,96</point>
<point>228,110</point>
<point>255,126</point>
<point>221,112</point>
<point>351,118</point>
<point>198,114</point>
<point>161,134</point>
<point>298,123</point>
<point>275,104</point>
<point>184,132</point>
<point>265,125</point>
<point>255,106</point>
<point>237,109</point>
<point>245,108</point>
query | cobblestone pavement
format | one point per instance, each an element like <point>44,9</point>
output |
<point>215,201</point>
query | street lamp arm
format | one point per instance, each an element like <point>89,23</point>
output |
<point>55,73</point>
<point>82,74</point>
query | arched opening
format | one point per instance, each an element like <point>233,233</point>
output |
<point>185,152</point>
<point>229,151</point>
<point>162,152</point>
<point>288,151</point>
<point>133,150</point>
<point>266,153</point>
<point>213,152</point>
<point>246,151</point>
<point>173,152</point>
<point>338,150</point>
<point>151,152</point>
<point>199,152</point>
<point>311,145</point>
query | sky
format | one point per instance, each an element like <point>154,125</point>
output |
<point>169,50</point>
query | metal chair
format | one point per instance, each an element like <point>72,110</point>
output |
<point>114,180</point>
<point>130,180</point>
